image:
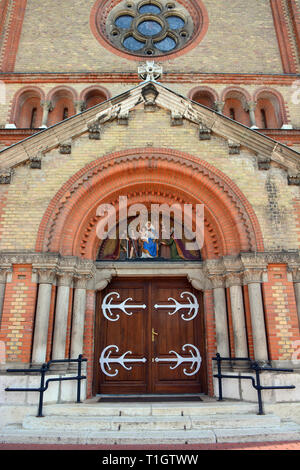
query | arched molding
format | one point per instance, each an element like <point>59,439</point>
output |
<point>21,96</point>
<point>62,91</point>
<point>94,88</point>
<point>68,226</point>
<point>276,99</point>
<point>205,90</point>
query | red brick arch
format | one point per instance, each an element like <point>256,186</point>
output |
<point>148,175</point>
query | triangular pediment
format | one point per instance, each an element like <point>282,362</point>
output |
<point>152,94</point>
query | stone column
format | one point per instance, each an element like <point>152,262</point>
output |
<point>220,310</point>
<point>79,307</point>
<point>233,281</point>
<point>3,276</point>
<point>251,105</point>
<point>252,277</point>
<point>46,280</point>
<point>61,315</point>
<point>47,107</point>
<point>296,279</point>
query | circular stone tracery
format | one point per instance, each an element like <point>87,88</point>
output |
<point>141,28</point>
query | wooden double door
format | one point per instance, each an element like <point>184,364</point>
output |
<point>150,338</point>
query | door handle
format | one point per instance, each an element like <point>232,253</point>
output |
<point>153,335</point>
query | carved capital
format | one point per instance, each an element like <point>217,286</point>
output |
<point>46,275</point>
<point>47,105</point>
<point>295,270</point>
<point>234,278</point>
<point>217,280</point>
<point>253,275</point>
<point>3,273</point>
<point>65,278</point>
<point>250,106</point>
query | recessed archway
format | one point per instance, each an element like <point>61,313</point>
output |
<point>149,175</point>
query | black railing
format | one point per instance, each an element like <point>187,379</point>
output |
<point>44,383</point>
<point>253,366</point>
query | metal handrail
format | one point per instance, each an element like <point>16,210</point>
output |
<point>44,385</point>
<point>254,365</point>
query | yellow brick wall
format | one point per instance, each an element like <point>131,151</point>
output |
<point>56,36</point>
<point>31,190</point>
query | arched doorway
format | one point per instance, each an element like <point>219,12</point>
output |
<point>160,176</point>
<point>150,337</point>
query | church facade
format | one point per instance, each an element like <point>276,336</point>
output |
<point>149,185</point>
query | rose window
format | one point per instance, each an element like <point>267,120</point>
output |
<point>149,28</point>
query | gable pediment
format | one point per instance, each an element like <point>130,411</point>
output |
<point>151,95</point>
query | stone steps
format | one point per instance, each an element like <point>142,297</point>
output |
<point>153,423</point>
<point>150,423</point>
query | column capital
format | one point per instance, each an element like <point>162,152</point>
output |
<point>253,275</point>
<point>47,105</point>
<point>65,278</point>
<point>4,270</point>
<point>295,270</point>
<point>46,275</point>
<point>233,278</point>
<point>216,280</point>
<point>250,105</point>
<point>81,280</point>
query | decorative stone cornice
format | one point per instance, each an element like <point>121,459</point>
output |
<point>294,180</point>
<point>5,175</point>
<point>176,118</point>
<point>204,132</point>
<point>65,148</point>
<point>94,129</point>
<point>35,161</point>
<point>234,147</point>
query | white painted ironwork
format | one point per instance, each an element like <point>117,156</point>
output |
<point>195,359</point>
<point>192,305</point>
<point>107,306</point>
<point>105,360</point>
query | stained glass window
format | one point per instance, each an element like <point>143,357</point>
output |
<point>175,22</point>
<point>167,44</point>
<point>145,27</point>
<point>149,28</point>
<point>133,44</point>
<point>124,21</point>
<point>149,9</point>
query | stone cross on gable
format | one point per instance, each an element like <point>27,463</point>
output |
<point>150,71</point>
